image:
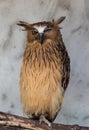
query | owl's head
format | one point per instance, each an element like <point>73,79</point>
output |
<point>42,31</point>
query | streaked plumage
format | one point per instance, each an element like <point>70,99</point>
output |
<point>45,70</point>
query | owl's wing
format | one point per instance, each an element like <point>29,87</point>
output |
<point>66,65</point>
<point>66,70</point>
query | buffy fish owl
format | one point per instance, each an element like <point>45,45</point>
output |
<point>45,70</point>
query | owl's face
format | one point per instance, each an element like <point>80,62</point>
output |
<point>42,31</point>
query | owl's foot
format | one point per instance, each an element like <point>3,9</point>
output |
<point>43,119</point>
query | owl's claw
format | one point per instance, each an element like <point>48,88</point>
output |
<point>43,119</point>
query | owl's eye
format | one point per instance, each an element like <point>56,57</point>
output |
<point>48,29</point>
<point>34,32</point>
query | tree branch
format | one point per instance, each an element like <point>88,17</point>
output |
<point>13,122</point>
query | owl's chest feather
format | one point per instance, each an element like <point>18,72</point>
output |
<point>41,65</point>
<point>41,80</point>
<point>42,68</point>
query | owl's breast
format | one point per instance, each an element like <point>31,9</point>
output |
<point>41,91</point>
<point>40,79</point>
<point>41,56</point>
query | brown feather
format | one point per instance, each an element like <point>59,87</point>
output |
<point>44,74</point>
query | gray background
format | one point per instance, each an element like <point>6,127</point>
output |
<point>75,109</point>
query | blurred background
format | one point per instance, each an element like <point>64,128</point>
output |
<point>75,109</point>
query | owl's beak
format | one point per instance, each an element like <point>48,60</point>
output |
<point>41,37</point>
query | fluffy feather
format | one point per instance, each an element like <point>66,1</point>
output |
<point>45,71</point>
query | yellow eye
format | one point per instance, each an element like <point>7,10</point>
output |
<point>34,32</point>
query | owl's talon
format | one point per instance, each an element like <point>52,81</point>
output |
<point>43,119</point>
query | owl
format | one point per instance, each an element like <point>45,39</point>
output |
<point>45,70</point>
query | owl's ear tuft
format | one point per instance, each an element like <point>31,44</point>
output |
<point>58,21</point>
<point>24,24</point>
